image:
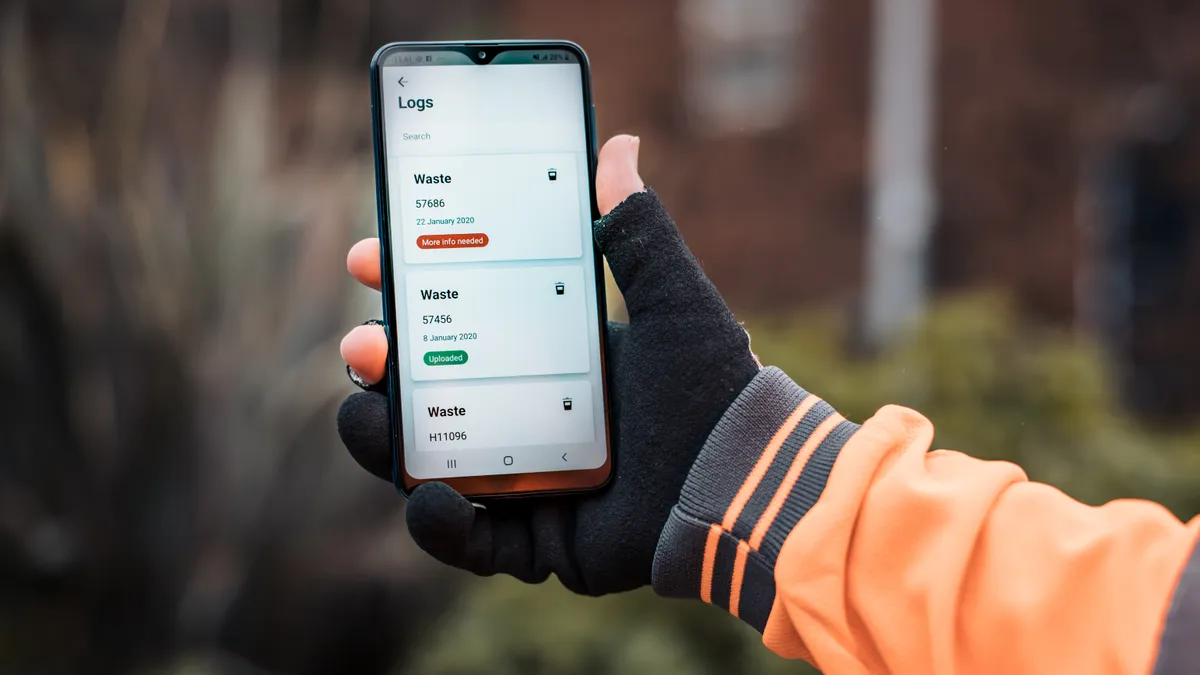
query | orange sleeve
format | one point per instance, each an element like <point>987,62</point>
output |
<point>878,556</point>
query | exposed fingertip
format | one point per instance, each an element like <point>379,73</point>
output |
<point>617,172</point>
<point>621,144</point>
<point>365,350</point>
<point>359,251</point>
<point>363,263</point>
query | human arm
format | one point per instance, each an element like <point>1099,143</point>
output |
<point>861,551</point>
<point>852,546</point>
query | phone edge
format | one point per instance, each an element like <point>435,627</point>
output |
<point>388,293</point>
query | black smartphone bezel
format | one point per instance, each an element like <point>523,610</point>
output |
<point>489,49</point>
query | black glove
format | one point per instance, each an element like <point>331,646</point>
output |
<point>675,368</point>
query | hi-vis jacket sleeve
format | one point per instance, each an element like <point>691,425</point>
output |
<point>859,550</point>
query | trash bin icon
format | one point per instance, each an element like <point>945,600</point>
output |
<point>567,403</point>
<point>552,174</point>
<point>559,288</point>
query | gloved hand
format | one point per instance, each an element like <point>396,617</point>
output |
<point>675,368</point>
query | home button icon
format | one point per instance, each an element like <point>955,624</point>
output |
<point>508,460</point>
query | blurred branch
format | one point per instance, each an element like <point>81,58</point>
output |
<point>344,26</point>
<point>21,182</point>
<point>125,99</point>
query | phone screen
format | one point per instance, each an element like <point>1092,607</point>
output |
<point>496,283</point>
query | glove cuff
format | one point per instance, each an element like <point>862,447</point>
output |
<point>760,471</point>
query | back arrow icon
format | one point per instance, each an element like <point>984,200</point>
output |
<point>564,456</point>
<point>401,82</point>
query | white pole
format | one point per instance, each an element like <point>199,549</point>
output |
<point>902,198</point>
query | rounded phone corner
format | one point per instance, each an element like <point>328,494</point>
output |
<point>608,475</point>
<point>379,53</point>
<point>577,49</point>
<point>556,172</point>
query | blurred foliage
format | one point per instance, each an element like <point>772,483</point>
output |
<point>994,387</point>
<point>180,179</point>
<point>997,387</point>
<point>175,207</point>
<point>503,627</point>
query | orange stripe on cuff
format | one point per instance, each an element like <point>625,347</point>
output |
<point>764,462</point>
<point>710,560</point>
<point>789,480</point>
<point>739,571</point>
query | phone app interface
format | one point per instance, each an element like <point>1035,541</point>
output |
<point>494,269</point>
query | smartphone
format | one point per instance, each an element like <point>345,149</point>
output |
<point>493,290</point>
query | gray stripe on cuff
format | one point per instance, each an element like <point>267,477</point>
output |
<point>807,490</point>
<point>730,453</point>
<point>737,442</point>
<point>1179,647</point>
<point>782,463</point>
<point>679,556</point>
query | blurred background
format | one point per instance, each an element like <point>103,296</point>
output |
<point>984,210</point>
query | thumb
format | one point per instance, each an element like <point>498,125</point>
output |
<point>617,172</point>
<point>442,522</point>
<point>650,262</point>
<point>451,529</point>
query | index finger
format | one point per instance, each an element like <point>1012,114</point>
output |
<point>363,263</point>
